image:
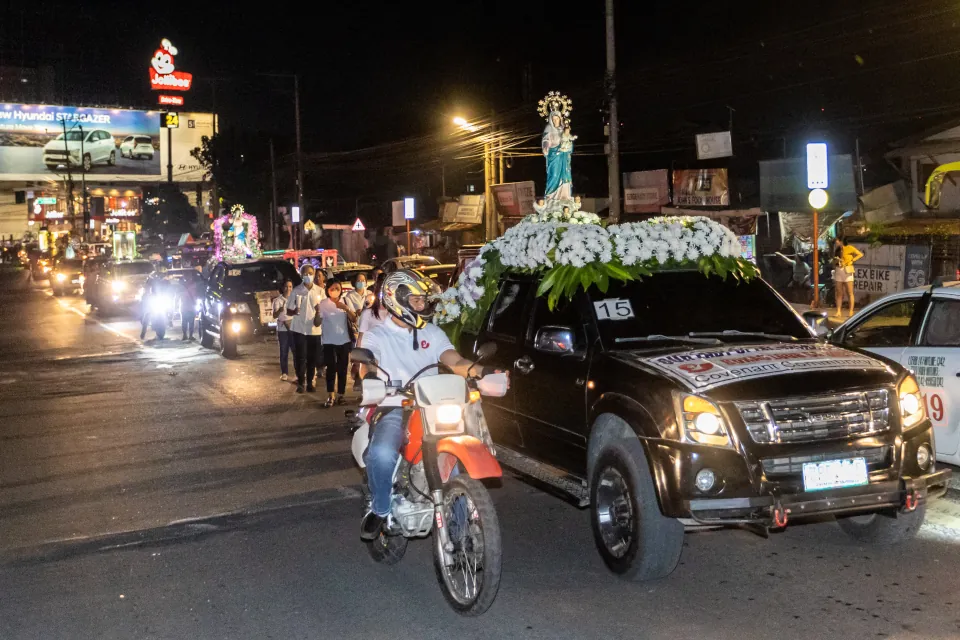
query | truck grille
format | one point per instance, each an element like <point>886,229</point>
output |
<point>792,465</point>
<point>826,417</point>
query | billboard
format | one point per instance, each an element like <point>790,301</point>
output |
<point>43,142</point>
<point>515,199</point>
<point>700,188</point>
<point>39,142</point>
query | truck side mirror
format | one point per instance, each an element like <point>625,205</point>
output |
<point>554,339</point>
<point>486,350</point>
<point>816,319</point>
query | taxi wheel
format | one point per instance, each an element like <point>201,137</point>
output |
<point>886,528</point>
<point>635,540</point>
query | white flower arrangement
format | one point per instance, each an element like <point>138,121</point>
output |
<point>561,211</point>
<point>562,248</point>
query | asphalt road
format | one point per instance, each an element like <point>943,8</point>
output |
<point>155,490</point>
<point>29,160</point>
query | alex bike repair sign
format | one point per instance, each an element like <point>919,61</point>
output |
<point>889,268</point>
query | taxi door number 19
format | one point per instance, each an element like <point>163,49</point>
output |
<point>614,309</point>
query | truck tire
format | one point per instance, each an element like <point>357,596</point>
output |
<point>228,346</point>
<point>206,340</point>
<point>884,528</point>
<point>633,537</point>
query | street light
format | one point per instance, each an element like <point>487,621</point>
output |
<point>489,169</point>
<point>465,125</point>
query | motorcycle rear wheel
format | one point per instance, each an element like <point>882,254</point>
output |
<point>470,585</point>
<point>387,550</point>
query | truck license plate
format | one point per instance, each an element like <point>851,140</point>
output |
<point>832,474</point>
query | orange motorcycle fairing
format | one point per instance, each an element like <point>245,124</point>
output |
<point>471,453</point>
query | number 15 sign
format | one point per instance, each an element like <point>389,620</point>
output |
<point>614,309</point>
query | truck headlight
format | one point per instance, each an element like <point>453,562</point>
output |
<point>912,411</point>
<point>61,277</point>
<point>701,421</point>
<point>236,327</point>
<point>240,307</point>
<point>118,286</point>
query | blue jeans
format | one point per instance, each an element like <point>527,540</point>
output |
<point>286,345</point>
<point>381,459</point>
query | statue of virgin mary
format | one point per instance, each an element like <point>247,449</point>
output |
<point>557,145</point>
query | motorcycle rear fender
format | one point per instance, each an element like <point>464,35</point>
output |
<point>471,453</point>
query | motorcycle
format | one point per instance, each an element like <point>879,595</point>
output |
<point>161,307</point>
<point>436,483</point>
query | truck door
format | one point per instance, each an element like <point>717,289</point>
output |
<point>505,326</point>
<point>550,382</point>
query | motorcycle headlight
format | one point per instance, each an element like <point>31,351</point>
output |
<point>240,307</point>
<point>118,286</point>
<point>161,304</point>
<point>449,414</point>
<point>701,421</point>
<point>912,411</point>
<point>61,277</point>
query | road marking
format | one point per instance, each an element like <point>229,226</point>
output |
<point>87,316</point>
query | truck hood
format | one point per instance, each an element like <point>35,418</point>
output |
<point>747,365</point>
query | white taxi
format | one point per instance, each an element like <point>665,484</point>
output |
<point>920,329</point>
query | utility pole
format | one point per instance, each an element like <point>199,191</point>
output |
<point>490,209</point>
<point>273,201</point>
<point>215,192</point>
<point>501,178</point>
<point>169,155</point>
<point>70,208</point>
<point>613,151</point>
<point>443,179</point>
<point>83,186</point>
<point>296,101</point>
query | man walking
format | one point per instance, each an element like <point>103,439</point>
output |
<point>305,332</point>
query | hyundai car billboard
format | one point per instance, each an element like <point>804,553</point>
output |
<point>42,142</point>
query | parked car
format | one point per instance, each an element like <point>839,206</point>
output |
<point>920,329</point>
<point>67,276</point>
<point>118,285</point>
<point>346,273</point>
<point>408,262</point>
<point>80,148</point>
<point>237,305</point>
<point>137,147</point>
<point>681,401</point>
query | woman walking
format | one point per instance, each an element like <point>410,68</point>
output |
<point>283,327</point>
<point>337,329</point>
<point>844,257</point>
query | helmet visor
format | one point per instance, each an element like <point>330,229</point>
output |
<point>422,305</point>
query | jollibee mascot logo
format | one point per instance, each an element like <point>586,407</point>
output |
<point>162,60</point>
<point>163,71</point>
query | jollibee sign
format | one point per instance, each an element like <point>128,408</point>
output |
<point>163,72</point>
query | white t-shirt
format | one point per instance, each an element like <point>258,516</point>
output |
<point>355,300</point>
<point>280,312</point>
<point>334,323</point>
<point>392,346</point>
<point>368,319</point>
<point>306,300</point>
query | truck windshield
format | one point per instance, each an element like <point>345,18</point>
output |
<point>682,302</point>
<point>134,268</point>
<point>265,276</point>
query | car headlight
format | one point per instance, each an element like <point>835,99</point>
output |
<point>701,421</point>
<point>240,307</point>
<point>61,277</point>
<point>912,411</point>
<point>118,286</point>
<point>236,327</point>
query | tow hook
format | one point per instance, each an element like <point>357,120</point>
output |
<point>911,500</point>
<point>780,515</point>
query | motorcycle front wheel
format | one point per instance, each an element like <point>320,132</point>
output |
<point>470,583</point>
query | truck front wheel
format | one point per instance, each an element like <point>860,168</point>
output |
<point>633,537</point>
<point>884,528</point>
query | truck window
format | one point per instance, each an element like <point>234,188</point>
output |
<point>506,317</point>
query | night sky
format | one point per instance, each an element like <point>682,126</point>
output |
<point>377,72</point>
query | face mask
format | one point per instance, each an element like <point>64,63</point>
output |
<point>359,286</point>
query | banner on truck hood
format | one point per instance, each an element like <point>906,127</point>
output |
<point>702,369</point>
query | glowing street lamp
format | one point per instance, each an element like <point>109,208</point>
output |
<point>463,124</point>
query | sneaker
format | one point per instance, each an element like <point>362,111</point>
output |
<point>371,526</point>
<point>299,388</point>
<point>283,377</point>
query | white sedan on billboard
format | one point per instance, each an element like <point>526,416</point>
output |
<point>137,147</point>
<point>80,148</point>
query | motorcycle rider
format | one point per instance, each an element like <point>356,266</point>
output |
<point>402,345</point>
<point>155,286</point>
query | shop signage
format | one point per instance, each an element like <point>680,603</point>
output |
<point>112,221</point>
<point>124,213</point>
<point>173,101</point>
<point>515,199</point>
<point>170,120</point>
<point>53,215</point>
<point>889,268</point>
<point>818,173</point>
<point>645,191</point>
<point>163,73</point>
<point>714,145</point>
<point>45,201</point>
<point>701,188</point>
<point>408,208</point>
